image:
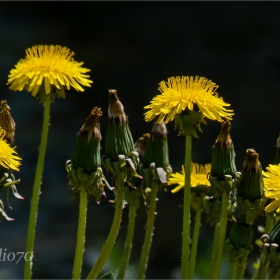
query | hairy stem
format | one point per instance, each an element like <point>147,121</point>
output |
<point>36,190</point>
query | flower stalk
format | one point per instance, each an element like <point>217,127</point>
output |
<point>149,232</point>
<point>96,269</point>
<point>78,261</point>
<point>36,190</point>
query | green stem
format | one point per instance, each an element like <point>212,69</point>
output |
<point>233,271</point>
<point>222,235</point>
<point>262,270</point>
<point>36,189</point>
<point>149,232</point>
<point>241,268</point>
<point>269,222</point>
<point>78,261</point>
<point>96,269</point>
<point>128,241</point>
<point>195,241</point>
<point>214,251</point>
<point>185,264</point>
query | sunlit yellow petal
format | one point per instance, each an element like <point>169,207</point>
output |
<point>271,179</point>
<point>179,93</point>
<point>198,177</point>
<point>8,159</point>
<point>53,64</point>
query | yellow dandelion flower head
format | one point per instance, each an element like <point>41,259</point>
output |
<point>180,93</point>
<point>53,65</point>
<point>7,157</point>
<point>198,177</point>
<point>272,187</point>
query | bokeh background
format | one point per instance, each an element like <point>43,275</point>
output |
<point>131,47</point>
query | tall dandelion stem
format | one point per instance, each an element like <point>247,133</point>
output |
<point>222,235</point>
<point>214,251</point>
<point>149,232</point>
<point>233,271</point>
<point>96,269</point>
<point>128,241</point>
<point>78,261</point>
<point>195,241</point>
<point>241,268</point>
<point>185,265</point>
<point>36,189</point>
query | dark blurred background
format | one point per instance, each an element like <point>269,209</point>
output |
<point>131,47</point>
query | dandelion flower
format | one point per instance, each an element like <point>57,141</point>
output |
<point>272,187</point>
<point>198,177</point>
<point>51,65</point>
<point>7,157</point>
<point>180,93</point>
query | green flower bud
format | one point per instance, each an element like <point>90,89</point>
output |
<point>118,139</point>
<point>223,155</point>
<point>157,148</point>
<point>241,235</point>
<point>250,187</point>
<point>85,168</point>
<point>251,183</point>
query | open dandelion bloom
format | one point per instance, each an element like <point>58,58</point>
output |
<point>51,65</point>
<point>180,93</point>
<point>198,177</point>
<point>7,157</point>
<point>272,187</point>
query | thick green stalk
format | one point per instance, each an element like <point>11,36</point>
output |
<point>185,264</point>
<point>195,241</point>
<point>128,241</point>
<point>233,271</point>
<point>149,232</point>
<point>78,261</point>
<point>241,268</point>
<point>222,235</point>
<point>36,190</point>
<point>214,251</point>
<point>104,255</point>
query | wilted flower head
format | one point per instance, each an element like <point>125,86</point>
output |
<point>8,159</point>
<point>51,66</point>
<point>198,177</point>
<point>181,93</point>
<point>7,122</point>
<point>272,187</point>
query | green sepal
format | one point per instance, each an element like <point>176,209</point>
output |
<point>188,124</point>
<point>118,140</point>
<point>223,162</point>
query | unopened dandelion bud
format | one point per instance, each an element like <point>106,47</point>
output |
<point>84,169</point>
<point>118,139</point>
<point>223,155</point>
<point>119,146</point>
<point>251,183</point>
<point>7,122</point>
<point>141,144</point>
<point>241,235</point>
